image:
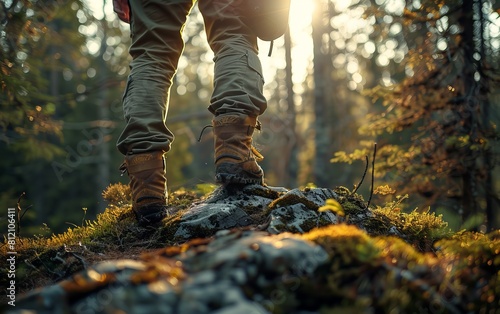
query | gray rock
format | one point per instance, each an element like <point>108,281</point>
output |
<point>297,211</point>
<point>226,209</point>
<point>226,274</point>
<point>243,307</point>
<point>217,276</point>
<point>204,219</point>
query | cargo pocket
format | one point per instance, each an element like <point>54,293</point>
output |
<point>254,64</point>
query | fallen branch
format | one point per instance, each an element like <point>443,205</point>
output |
<point>19,215</point>
<point>356,187</point>
<point>373,174</point>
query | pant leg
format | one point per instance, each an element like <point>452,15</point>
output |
<point>157,44</point>
<point>238,79</point>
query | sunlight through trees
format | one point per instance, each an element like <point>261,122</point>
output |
<point>419,77</point>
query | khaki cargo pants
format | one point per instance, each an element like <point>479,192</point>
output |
<point>156,27</point>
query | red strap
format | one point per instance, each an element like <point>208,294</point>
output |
<point>122,9</point>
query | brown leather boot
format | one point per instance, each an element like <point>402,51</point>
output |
<point>148,185</point>
<point>235,157</point>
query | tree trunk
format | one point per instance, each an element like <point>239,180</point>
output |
<point>321,75</point>
<point>104,158</point>
<point>470,123</point>
<point>291,164</point>
<point>485,106</point>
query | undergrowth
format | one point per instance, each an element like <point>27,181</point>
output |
<point>114,234</point>
<point>386,274</point>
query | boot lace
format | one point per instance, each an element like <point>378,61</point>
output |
<point>123,169</point>
<point>258,156</point>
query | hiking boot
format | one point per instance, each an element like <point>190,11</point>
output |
<point>235,157</point>
<point>148,186</point>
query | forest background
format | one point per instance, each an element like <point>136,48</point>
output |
<point>419,78</point>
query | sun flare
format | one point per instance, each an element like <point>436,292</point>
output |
<point>300,14</point>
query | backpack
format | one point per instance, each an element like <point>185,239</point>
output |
<point>267,18</point>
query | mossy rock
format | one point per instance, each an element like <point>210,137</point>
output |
<point>365,260</point>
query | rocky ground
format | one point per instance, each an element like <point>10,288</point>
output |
<point>262,250</point>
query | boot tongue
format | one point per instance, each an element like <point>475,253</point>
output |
<point>232,129</point>
<point>235,119</point>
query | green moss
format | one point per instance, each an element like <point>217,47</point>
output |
<point>48,259</point>
<point>419,228</point>
<point>473,270</point>
<point>266,192</point>
<point>165,233</point>
<point>345,241</point>
<point>183,198</point>
<point>352,201</point>
<point>117,195</point>
<point>292,199</point>
<point>386,274</point>
<point>421,268</point>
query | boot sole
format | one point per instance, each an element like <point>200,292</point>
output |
<point>226,179</point>
<point>228,173</point>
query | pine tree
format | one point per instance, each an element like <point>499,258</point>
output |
<point>438,108</point>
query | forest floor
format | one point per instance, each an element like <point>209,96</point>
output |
<point>311,250</point>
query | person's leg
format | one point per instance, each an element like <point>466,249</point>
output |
<point>237,99</point>
<point>157,44</point>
